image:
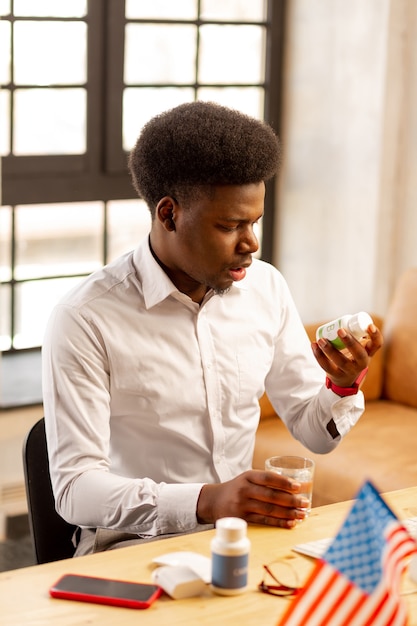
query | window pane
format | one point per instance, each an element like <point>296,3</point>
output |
<point>5,242</point>
<point>57,53</point>
<point>242,10</point>
<point>58,239</point>
<point>5,321</point>
<point>4,52</point>
<point>171,62</point>
<point>231,54</point>
<point>4,122</point>
<point>51,8</point>
<point>4,7</point>
<point>128,221</point>
<point>139,105</point>
<point>249,100</point>
<point>180,9</point>
<point>34,303</point>
<point>50,121</point>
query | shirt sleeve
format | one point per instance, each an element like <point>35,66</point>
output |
<point>309,425</point>
<point>76,391</point>
<point>296,387</point>
<point>139,506</point>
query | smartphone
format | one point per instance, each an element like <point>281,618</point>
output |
<point>105,591</point>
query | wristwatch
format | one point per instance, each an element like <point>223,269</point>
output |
<point>347,391</point>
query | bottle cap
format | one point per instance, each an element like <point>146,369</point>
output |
<point>359,323</point>
<point>231,528</point>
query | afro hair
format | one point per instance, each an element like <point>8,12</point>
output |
<point>200,145</point>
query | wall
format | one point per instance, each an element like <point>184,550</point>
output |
<point>347,221</point>
<point>397,224</point>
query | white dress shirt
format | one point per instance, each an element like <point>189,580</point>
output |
<point>148,395</point>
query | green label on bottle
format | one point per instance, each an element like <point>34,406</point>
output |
<point>337,343</point>
<point>331,329</point>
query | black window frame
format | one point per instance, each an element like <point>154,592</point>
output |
<point>101,173</point>
<point>74,178</point>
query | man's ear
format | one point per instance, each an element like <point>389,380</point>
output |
<point>165,212</point>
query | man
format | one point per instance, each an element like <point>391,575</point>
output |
<point>153,366</point>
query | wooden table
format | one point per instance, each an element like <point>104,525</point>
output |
<point>24,598</point>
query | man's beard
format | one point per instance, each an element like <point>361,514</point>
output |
<point>221,292</point>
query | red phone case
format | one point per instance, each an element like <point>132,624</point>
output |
<point>105,591</point>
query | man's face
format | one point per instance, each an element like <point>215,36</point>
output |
<point>214,239</point>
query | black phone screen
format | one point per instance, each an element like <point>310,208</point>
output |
<point>92,589</point>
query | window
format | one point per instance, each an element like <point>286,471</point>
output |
<point>46,248</point>
<point>79,79</point>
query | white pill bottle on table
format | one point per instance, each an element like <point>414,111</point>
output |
<point>230,549</point>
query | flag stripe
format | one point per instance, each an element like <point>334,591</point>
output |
<point>353,605</point>
<point>357,582</point>
<point>302,606</point>
<point>389,609</point>
<point>330,598</point>
<point>342,613</point>
<point>319,585</point>
<point>342,602</point>
<point>336,591</point>
<point>321,596</point>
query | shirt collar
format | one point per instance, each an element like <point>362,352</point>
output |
<point>156,285</point>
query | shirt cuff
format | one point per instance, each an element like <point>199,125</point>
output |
<point>177,508</point>
<point>345,411</point>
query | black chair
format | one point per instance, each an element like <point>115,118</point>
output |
<point>51,534</point>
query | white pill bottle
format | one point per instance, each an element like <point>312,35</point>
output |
<point>230,549</point>
<point>356,324</point>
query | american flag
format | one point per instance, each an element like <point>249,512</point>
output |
<point>357,582</point>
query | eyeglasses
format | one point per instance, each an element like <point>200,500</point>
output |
<point>280,579</point>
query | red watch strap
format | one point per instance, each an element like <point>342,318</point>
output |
<point>347,391</point>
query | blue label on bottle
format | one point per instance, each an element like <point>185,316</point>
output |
<point>229,572</point>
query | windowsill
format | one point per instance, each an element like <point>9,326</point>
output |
<point>20,379</point>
